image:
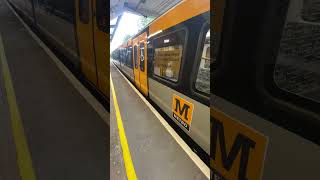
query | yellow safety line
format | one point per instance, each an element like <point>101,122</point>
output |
<point>23,155</point>
<point>131,174</point>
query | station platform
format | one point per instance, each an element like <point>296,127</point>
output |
<point>48,129</point>
<point>155,154</point>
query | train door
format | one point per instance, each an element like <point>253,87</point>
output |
<point>136,62</point>
<point>101,45</point>
<point>143,63</point>
<point>85,39</point>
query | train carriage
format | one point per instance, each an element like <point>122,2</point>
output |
<point>77,29</point>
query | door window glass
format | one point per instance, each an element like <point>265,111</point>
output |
<point>129,56</point>
<point>297,67</point>
<point>135,54</point>
<point>101,15</point>
<point>84,11</point>
<point>202,83</point>
<point>142,57</point>
<point>168,51</point>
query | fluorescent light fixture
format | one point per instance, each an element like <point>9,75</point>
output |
<point>166,41</point>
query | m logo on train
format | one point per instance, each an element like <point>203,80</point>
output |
<point>182,111</point>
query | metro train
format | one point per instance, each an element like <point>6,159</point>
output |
<point>265,101</point>
<point>169,62</point>
<point>265,74</point>
<point>77,29</point>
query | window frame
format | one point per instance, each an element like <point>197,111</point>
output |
<point>164,80</point>
<point>200,46</point>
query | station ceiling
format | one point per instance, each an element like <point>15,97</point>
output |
<point>147,8</point>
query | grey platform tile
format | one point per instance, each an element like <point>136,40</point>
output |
<point>66,137</point>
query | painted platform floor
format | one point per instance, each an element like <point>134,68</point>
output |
<point>154,152</point>
<point>66,137</point>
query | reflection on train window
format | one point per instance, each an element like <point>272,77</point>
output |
<point>62,9</point>
<point>202,83</point>
<point>102,14</point>
<point>142,56</point>
<point>129,57</point>
<point>311,10</point>
<point>84,11</point>
<point>168,52</point>
<point>297,68</point>
<point>135,54</point>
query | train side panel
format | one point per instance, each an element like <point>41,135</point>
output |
<point>199,127</point>
<point>129,72</point>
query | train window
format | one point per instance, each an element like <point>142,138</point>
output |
<point>101,16</point>
<point>62,9</point>
<point>202,83</point>
<point>168,52</point>
<point>120,55</point>
<point>311,10</point>
<point>142,56</point>
<point>117,54</point>
<point>129,56</point>
<point>135,54</point>
<point>297,68</point>
<point>84,11</point>
<point>123,56</point>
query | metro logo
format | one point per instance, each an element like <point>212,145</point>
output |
<point>237,151</point>
<point>182,111</point>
